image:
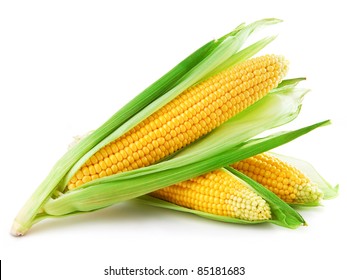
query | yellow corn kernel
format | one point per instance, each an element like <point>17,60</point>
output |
<point>283,179</point>
<point>192,114</point>
<point>218,193</point>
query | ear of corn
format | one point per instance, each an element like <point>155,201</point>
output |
<point>283,179</point>
<point>293,180</point>
<point>196,67</point>
<point>262,205</point>
<point>192,114</point>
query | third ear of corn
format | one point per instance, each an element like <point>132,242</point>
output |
<point>283,179</point>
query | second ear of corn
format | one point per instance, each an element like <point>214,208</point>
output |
<point>221,193</point>
<point>192,114</point>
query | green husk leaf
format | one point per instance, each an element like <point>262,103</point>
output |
<point>243,55</point>
<point>291,82</point>
<point>328,190</point>
<point>239,40</point>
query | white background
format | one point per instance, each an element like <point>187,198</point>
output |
<point>66,66</point>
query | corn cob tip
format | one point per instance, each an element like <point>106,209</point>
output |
<point>308,193</point>
<point>285,66</point>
